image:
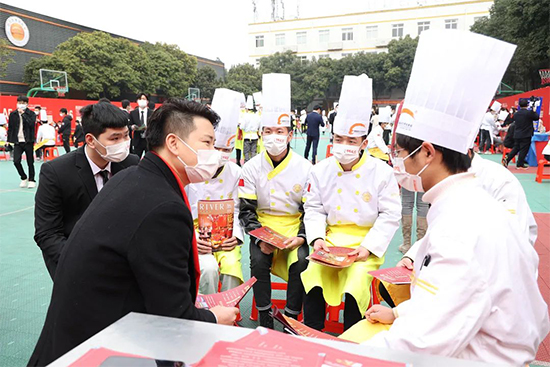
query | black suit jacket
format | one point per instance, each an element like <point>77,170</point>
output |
<point>135,119</point>
<point>66,189</point>
<point>313,122</point>
<point>29,124</point>
<point>66,126</point>
<point>524,123</point>
<point>130,252</point>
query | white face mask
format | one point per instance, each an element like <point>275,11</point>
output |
<point>224,158</point>
<point>405,179</point>
<point>142,103</point>
<point>208,162</point>
<point>115,153</point>
<point>21,107</point>
<point>275,144</point>
<point>345,154</point>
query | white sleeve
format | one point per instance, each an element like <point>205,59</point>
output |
<point>238,230</point>
<point>380,143</point>
<point>389,209</point>
<point>40,134</point>
<point>448,305</point>
<point>315,218</point>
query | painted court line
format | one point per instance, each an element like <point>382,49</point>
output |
<point>16,211</point>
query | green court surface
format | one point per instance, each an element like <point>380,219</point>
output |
<point>25,286</point>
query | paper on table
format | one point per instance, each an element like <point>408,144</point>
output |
<point>397,275</point>
<point>270,236</point>
<point>230,298</point>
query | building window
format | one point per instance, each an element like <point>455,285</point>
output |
<point>302,58</point>
<point>259,41</point>
<point>301,38</point>
<point>257,63</point>
<point>451,23</point>
<point>324,56</point>
<point>423,26</point>
<point>372,31</point>
<point>397,30</point>
<point>324,35</point>
<point>280,39</point>
<point>347,34</point>
<point>347,54</point>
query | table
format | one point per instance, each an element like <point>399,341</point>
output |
<point>188,341</point>
<point>538,142</point>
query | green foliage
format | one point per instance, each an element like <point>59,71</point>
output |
<point>5,57</point>
<point>207,81</point>
<point>244,78</point>
<point>524,23</point>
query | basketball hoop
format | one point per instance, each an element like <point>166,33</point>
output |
<point>60,91</point>
<point>544,76</point>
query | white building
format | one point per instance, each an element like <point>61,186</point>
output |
<point>337,36</point>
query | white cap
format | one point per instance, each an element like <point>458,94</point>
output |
<point>275,100</point>
<point>453,79</point>
<point>257,98</point>
<point>354,107</point>
<point>249,103</point>
<point>496,106</point>
<point>226,103</point>
<point>384,114</point>
<point>503,115</point>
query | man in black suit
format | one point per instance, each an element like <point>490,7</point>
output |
<point>68,184</point>
<point>313,121</point>
<point>65,129</point>
<point>134,249</point>
<point>523,132</point>
<point>21,133</point>
<point>138,124</point>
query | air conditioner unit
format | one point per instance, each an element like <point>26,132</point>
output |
<point>335,46</point>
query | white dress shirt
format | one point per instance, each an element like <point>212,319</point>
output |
<point>95,170</point>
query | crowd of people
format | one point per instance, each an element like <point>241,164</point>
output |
<point>117,218</point>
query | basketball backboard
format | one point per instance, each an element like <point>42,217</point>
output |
<point>51,81</point>
<point>194,94</point>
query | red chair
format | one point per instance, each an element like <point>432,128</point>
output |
<point>4,156</point>
<point>50,153</point>
<point>540,171</point>
<point>505,152</point>
<point>329,151</point>
<point>280,303</point>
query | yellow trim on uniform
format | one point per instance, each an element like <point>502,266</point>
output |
<point>513,211</point>
<point>280,167</point>
<point>248,196</point>
<point>425,288</point>
<point>361,162</point>
<point>427,284</point>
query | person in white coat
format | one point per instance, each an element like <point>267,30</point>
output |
<point>250,125</point>
<point>352,200</point>
<point>225,263</point>
<point>474,293</point>
<point>377,147</point>
<point>488,126</point>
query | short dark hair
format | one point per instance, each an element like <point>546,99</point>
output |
<point>63,110</point>
<point>140,94</point>
<point>104,100</point>
<point>37,108</point>
<point>317,107</point>
<point>23,99</point>
<point>151,105</point>
<point>523,102</point>
<point>96,118</point>
<point>176,116</point>
<point>125,103</point>
<point>455,162</point>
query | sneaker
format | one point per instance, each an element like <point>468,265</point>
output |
<point>505,162</point>
<point>266,320</point>
<point>523,167</point>
<point>32,185</point>
<point>24,184</point>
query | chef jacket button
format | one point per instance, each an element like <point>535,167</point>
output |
<point>339,191</point>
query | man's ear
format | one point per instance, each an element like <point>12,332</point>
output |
<point>171,143</point>
<point>429,151</point>
<point>90,141</point>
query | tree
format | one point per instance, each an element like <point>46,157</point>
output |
<point>399,61</point>
<point>207,81</point>
<point>524,23</point>
<point>172,71</point>
<point>244,78</point>
<point>5,57</point>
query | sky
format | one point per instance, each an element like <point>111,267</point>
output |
<point>208,28</point>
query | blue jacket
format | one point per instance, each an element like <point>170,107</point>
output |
<point>313,122</point>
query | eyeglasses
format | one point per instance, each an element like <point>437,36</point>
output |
<point>394,153</point>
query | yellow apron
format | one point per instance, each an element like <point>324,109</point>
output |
<point>399,293</point>
<point>260,146</point>
<point>239,139</point>
<point>287,225</point>
<point>363,331</point>
<point>354,280</point>
<point>377,153</point>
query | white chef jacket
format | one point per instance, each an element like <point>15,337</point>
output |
<point>250,125</point>
<point>224,186</point>
<point>367,196</point>
<point>376,139</point>
<point>488,123</point>
<point>46,132</point>
<point>475,294</point>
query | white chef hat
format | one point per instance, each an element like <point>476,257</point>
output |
<point>496,106</point>
<point>503,115</point>
<point>249,103</point>
<point>454,77</point>
<point>354,107</point>
<point>384,114</point>
<point>242,100</point>
<point>257,98</point>
<point>226,103</point>
<point>275,100</point>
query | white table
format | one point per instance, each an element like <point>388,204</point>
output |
<point>188,341</point>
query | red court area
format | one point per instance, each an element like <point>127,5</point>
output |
<point>543,249</point>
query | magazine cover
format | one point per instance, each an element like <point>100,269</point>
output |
<point>337,257</point>
<point>215,221</point>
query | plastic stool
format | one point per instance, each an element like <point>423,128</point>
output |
<point>280,303</point>
<point>540,171</point>
<point>505,152</point>
<point>50,153</point>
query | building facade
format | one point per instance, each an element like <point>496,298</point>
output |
<point>337,36</point>
<point>33,35</point>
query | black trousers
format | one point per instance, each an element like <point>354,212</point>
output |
<point>311,140</point>
<point>238,155</point>
<point>18,150</point>
<point>521,146</point>
<point>67,143</point>
<point>386,136</point>
<point>315,310</point>
<point>140,147</point>
<point>260,267</point>
<point>485,141</point>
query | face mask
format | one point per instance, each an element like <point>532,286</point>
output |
<point>21,106</point>
<point>224,158</point>
<point>115,153</point>
<point>405,179</point>
<point>275,144</point>
<point>142,103</point>
<point>208,162</point>
<point>345,154</point>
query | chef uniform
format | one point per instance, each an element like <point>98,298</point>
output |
<point>353,208</point>
<point>474,294</point>
<point>488,126</point>
<point>239,136</point>
<point>223,186</point>
<point>250,125</point>
<point>271,195</point>
<point>377,147</point>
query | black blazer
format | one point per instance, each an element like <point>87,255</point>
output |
<point>313,122</point>
<point>130,252</point>
<point>524,123</point>
<point>65,190</point>
<point>65,128</point>
<point>134,119</point>
<point>79,134</point>
<point>29,125</point>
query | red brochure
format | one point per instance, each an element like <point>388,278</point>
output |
<point>230,298</point>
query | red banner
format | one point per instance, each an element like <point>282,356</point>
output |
<point>543,93</point>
